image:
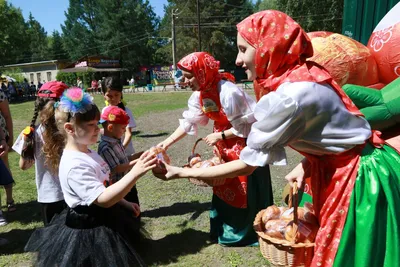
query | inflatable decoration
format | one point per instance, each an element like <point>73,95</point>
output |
<point>347,60</point>
<point>380,107</point>
<point>384,45</point>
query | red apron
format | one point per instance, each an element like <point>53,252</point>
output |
<point>234,191</point>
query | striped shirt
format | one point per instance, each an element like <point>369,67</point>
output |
<point>112,151</point>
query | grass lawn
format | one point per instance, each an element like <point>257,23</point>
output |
<point>175,213</point>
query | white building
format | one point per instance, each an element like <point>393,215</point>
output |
<point>38,71</point>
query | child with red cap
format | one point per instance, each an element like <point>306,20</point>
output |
<point>32,150</point>
<point>115,121</point>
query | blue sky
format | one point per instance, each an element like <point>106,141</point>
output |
<point>50,13</point>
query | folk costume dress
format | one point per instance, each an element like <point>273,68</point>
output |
<point>355,177</point>
<point>235,203</point>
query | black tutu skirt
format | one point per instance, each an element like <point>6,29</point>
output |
<point>88,236</point>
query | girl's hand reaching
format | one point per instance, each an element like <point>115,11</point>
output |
<point>212,138</point>
<point>146,162</point>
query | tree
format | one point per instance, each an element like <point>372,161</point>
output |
<point>218,28</point>
<point>81,28</point>
<point>13,40</point>
<point>314,16</point>
<point>38,43</point>
<point>266,5</point>
<point>121,29</point>
<point>56,48</point>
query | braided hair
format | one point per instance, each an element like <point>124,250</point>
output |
<point>28,149</point>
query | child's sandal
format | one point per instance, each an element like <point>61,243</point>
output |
<point>11,206</point>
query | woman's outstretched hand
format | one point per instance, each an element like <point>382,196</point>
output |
<point>170,172</point>
<point>166,143</point>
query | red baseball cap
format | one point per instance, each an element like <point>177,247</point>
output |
<point>52,89</point>
<point>115,115</point>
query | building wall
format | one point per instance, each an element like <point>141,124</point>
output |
<point>40,72</point>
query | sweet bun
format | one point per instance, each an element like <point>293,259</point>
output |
<point>271,213</point>
<point>276,228</point>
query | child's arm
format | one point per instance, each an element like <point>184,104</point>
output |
<point>25,164</point>
<point>133,207</point>
<point>3,143</point>
<point>135,156</point>
<point>114,193</point>
<point>121,168</point>
<point>128,137</point>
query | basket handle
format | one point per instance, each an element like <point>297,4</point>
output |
<point>218,154</point>
<point>293,203</point>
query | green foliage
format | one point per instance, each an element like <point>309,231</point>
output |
<point>15,73</point>
<point>13,40</point>
<point>218,28</point>
<point>118,29</point>
<point>56,48</point>
<point>70,78</point>
<point>37,38</point>
<point>267,5</point>
<point>310,14</point>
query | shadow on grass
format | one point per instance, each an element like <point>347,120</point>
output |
<point>179,209</point>
<point>152,135</point>
<point>171,247</point>
<point>26,213</point>
<point>136,132</point>
<point>17,239</point>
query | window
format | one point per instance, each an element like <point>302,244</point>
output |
<point>48,76</point>
<point>32,77</point>
<point>38,76</point>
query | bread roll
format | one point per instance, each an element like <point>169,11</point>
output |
<point>271,213</point>
<point>194,160</point>
<point>276,228</point>
<point>306,232</point>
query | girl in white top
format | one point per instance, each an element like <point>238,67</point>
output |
<point>111,230</point>
<point>32,150</point>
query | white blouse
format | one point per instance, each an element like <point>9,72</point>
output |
<point>308,116</point>
<point>237,105</point>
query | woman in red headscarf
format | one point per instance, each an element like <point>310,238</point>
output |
<point>355,177</point>
<point>216,98</point>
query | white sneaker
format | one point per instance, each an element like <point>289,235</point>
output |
<point>3,220</point>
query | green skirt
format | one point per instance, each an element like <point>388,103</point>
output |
<point>234,226</point>
<point>371,234</point>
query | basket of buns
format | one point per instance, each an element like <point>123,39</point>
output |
<point>195,161</point>
<point>286,234</point>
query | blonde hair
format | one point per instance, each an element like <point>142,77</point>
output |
<point>54,135</point>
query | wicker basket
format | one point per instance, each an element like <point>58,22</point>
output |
<point>210,182</point>
<point>282,252</point>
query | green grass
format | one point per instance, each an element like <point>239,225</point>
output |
<point>175,213</point>
<point>28,216</point>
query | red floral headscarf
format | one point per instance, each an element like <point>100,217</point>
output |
<point>282,47</point>
<point>203,67</point>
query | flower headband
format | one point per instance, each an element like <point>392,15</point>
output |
<point>75,100</point>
